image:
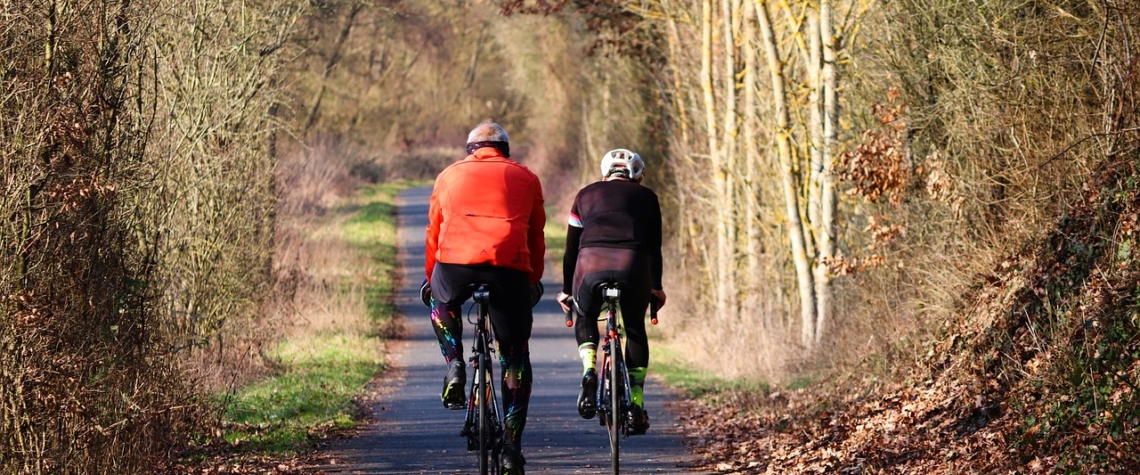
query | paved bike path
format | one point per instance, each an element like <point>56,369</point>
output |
<point>413,433</point>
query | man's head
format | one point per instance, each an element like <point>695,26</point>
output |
<point>488,134</point>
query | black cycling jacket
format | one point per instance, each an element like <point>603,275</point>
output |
<point>616,213</point>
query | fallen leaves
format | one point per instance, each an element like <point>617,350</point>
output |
<point>1036,374</point>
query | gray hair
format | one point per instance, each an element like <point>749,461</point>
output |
<point>487,132</point>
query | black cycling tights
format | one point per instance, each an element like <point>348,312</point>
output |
<point>511,319</point>
<point>630,269</point>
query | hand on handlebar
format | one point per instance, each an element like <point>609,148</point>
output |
<point>658,294</point>
<point>425,293</point>
<point>563,300</point>
<point>536,291</point>
<point>567,303</point>
<point>656,301</point>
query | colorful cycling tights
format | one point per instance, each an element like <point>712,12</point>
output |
<point>514,361</point>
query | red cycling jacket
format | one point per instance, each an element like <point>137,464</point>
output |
<point>487,209</point>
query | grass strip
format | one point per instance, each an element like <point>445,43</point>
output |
<point>313,391</point>
<point>372,229</point>
<point>671,366</point>
<point>555,237</point>
<point>318,374</point>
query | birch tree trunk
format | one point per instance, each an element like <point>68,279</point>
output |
<point>815,127</point>
<point>725,203</point>
<point>826,228</point>
<point>721,256</point>
<point>788,177</point>
<point>751,157</point>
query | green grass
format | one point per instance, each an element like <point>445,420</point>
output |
<point>555,234</point>
<point>372,228</point>
<point>555,230</point>
<point>695,383</point>
<point>318,375</point>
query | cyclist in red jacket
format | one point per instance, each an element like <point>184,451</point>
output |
<point>485,226</point>
<point>614,235</point>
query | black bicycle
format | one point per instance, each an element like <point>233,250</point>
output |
<point>483,426</point>
<point>615,404</point>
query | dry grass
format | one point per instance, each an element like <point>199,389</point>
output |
<point>325,273</point>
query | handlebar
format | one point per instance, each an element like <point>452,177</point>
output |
<point>570,313</point>
<point>654,304</point>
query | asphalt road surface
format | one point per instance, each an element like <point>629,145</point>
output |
<point>414,434</point>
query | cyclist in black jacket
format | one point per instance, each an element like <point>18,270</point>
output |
<point>614,235</point>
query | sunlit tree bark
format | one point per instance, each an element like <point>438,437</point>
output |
<point>751,220</point>
<point>829,83</point>
<point>722,259</point>
<point>796,235</point>
<point>726,207</point>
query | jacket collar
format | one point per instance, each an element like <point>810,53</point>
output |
<point>487,153</point>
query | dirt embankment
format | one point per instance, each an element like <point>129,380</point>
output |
<point>1037,374</point>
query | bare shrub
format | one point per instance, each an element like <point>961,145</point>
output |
<point>214,192</point>
<point>314,176</point>
<point>130,237</point>
<point>420,163</point>
<point>315,288</point>
<point>989,112</point>
<point>87,385</point>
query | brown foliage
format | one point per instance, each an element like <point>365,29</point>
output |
<point>85,383</point>
<point>879,166</point>
<point>118,261</point>
<point>1034,376</point>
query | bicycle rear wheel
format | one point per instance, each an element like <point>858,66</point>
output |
<point>484,410</point>
<point>616,410</point>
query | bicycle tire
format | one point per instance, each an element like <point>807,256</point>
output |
<point>484,413</point>
<point>615,406</point>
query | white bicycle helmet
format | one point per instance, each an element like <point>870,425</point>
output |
<point>624,162</point>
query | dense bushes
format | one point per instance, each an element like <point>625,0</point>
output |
<point>137,204</point>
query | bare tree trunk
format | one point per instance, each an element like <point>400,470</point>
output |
<point>791,196</point>
<point>815,129</point>
<point>334,58</point>
<point>707,76</point>
<point>752,192</point>
<point>678,87</point>
<point>826,228</point>
<point>726,301</point>
<point>374,57</point>
<point>471,68</point>
<point>721,257</point>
